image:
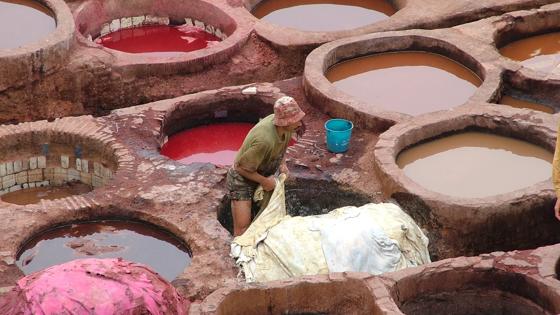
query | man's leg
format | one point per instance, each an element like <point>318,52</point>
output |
<point>241,212</point>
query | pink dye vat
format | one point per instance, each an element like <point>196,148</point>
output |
<point>93,286</point>
<point>158,39</point>
<point>217,143</point>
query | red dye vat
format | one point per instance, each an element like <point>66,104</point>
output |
<point>217,143</point>
<point>158,39</point>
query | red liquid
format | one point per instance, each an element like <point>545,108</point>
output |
<point>158,39</point>
<point>217,143</point>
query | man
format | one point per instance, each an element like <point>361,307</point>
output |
<point>260,156</point>
<point>556,175</point>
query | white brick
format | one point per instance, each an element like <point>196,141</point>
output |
<point>79,165</point>
<point>138,20</point>
<point>126,22</point>
<point>8,181</point>
<point>96,181</point>
<point>18,166</point>
<point>15,188</point>
<point>33,163</point>
<point>60,176</point>
<point>42,161</point>
<point>210,29</point>
<point>21,178</point>
<point>73,175</point>
<point>85,166</point>
<point>31,185</point>
<point>189,21</point>
<point>200,24</point>
<point>9,168</point>
<point>35,175</point>
<point>97,169</point>
<point>107,173</point>
<point>3,169</point>
<point>218,33</point>
<point>105,29</point>
<point>25,165</point>
<point>64,161</point>
<point>43,184</point>
<point>85,178</point>
<point>25,186</point>
<point>115,25</point>
<point>48,174</point>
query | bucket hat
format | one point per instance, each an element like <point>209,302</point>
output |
<point>287,111</point>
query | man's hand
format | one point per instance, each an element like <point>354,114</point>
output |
<point>557,209</point>
<point>284,169</point>
<point>269,183</point>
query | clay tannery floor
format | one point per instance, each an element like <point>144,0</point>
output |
<point>92,120</point>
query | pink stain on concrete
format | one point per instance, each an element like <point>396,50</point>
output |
<point>94,286</point>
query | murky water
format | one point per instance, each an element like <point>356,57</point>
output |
<point>23,22</point>
<point>323,15</point>
<point>518,103</point>
<point>541,52</point>
<point>408,82</point>
<point>216,143</point>
<point>34,195</point>
<point>158,40</point>
<point>476,164</point>
<point>106,239</point>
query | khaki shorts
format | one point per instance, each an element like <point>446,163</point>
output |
<point>239,187</point>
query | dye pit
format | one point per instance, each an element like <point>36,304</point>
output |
<point>36,194</point>
<point>23,22</point>
<point>215,143</point>
<point>158,40</point>
<point>323,16</point>
<point>521,103</point>
<point>541,52</point>
<point>306,197</point>
<point>407,82</point>
<point>476,164</point>
<point>486,293</point>
<point>467,302</point>
<point>132,241</point>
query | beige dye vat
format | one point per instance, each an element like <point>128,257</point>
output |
<point>35,195</point>
<point>323,15</point>
<point>408,82</point>
<point>524,104</point>
<point>476,164</point>
<point>23,22</point>
<point>540,52</point>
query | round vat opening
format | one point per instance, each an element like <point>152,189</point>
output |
<point>213,143</point>
<point>45,166</point>
<point>323,15</point>
<point>475,164</point>
<point>133,241</point>
<point>539,52</point>
<point>158,40</point>
<point>210,132</point>
<point>392,80</point>
<point>24,22</point>
<point>305,197</point>
<point>472,292</point>
<point>168,28</point>
<point>348,297</point>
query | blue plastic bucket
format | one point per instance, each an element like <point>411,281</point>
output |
<point>338,133</point>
